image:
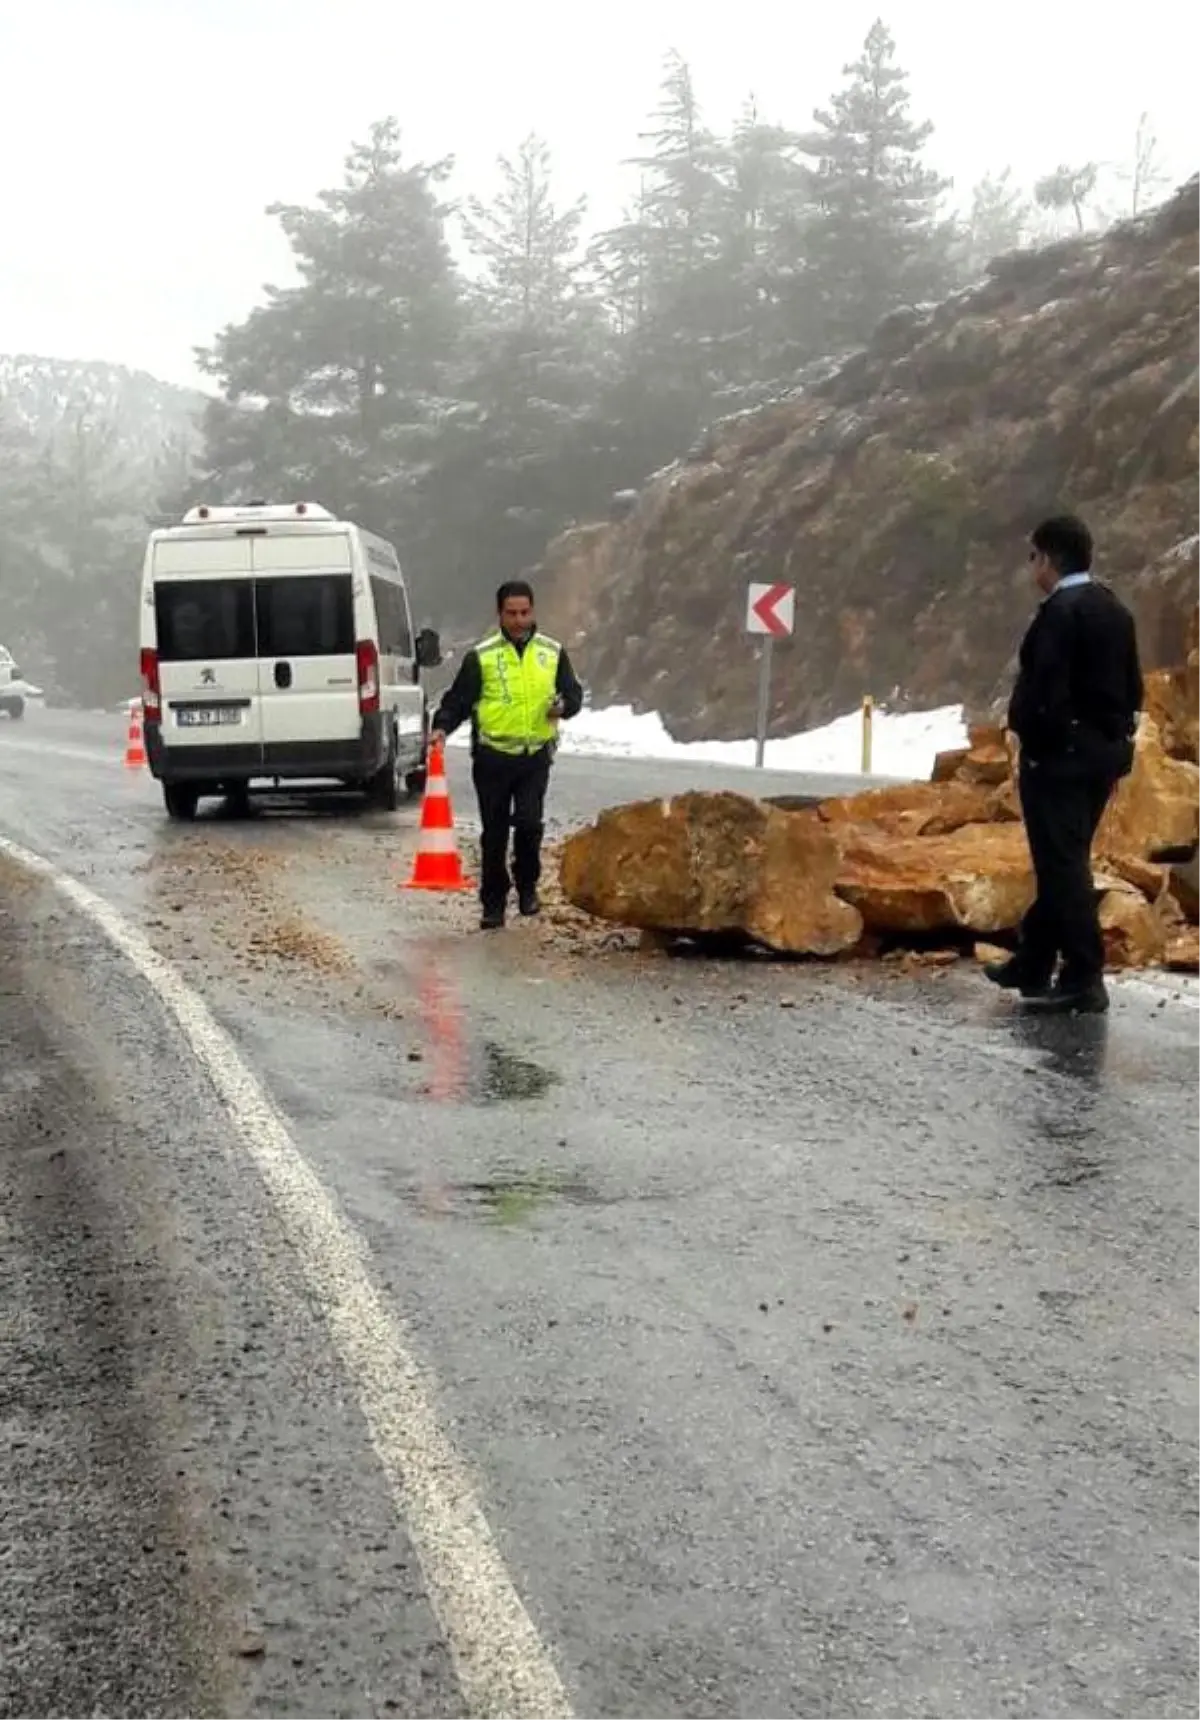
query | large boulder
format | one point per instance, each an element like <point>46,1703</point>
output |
<point>978,878</point>
<point>946,765</point>
<point>912,860</point>
<point>1156,808</point>
<point>1142,875</point>
<point>713,863</point>
<point>1184,885</point>
<point>1183,951</point>
<point>1170,703</point>
<point>1135,935</point>
<point>1173,700</point>
<point>912,808</point>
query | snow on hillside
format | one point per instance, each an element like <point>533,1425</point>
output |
<point>47,397</point>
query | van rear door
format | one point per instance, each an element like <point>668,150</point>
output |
<point>307,675</point>
<point>207,654</point>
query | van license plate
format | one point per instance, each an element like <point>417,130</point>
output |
<point>209,717</point>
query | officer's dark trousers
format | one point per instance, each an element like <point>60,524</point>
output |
<point>511,790</point>
<point>1062,811</point>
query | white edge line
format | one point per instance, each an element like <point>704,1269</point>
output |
<point>503,1666</point>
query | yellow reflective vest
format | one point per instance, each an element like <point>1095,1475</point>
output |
<point>516,692</point>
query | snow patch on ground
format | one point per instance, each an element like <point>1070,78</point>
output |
<point>904,744</point>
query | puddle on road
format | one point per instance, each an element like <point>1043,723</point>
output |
<point>502,1075</point>
<point>507,1198</point>
<point>485,1075</point>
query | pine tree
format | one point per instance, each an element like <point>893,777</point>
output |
<point>1000,220</point>
<point>662,271</point>
<point>618,266</point>
<point>766,208</point>
<point>527,375</point>
<point>680,189</point>
<point>1143,174</point>
<point>1068,188</point>
<point>529,247</point>
<point>878,240</point>
<point>333,387</point>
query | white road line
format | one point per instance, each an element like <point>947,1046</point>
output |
<point>503,1666</point>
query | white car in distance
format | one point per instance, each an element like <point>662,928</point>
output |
<point>15,690</point>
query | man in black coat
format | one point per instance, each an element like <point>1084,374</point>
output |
<point>1074,710</point>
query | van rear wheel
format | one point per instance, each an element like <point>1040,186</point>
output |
<point>180,800</point>
<point>384,789</point>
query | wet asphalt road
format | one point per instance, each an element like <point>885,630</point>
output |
<point>820,1342</point>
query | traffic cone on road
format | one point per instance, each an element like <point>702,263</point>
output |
<point>437,864</point>
<point>135,744</point>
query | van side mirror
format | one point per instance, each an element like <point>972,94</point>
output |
<point>429,649</point>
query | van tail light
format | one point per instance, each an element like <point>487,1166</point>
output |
<point>151,690</point>
<point>368,676</point>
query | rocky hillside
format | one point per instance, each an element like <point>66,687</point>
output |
<point>895,492</point>
<point>140,415</point>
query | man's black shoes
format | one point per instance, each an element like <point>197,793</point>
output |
<point>1088,999</point>
<point>1040,997</point>
<point>1011,976</point>
<point>528,904</point>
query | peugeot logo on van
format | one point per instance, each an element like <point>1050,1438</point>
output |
<point>208,677</point>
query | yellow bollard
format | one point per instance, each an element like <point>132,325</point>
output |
<point>868,711</point>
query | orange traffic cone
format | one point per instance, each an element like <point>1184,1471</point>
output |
<point>437,865</point>
<point>135,745</point>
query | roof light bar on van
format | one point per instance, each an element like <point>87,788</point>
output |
<point>206,515</point>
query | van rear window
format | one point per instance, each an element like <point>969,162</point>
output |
<point>204,620</point>
<point>309,616</point>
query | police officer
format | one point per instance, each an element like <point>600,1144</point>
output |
<point>515,686</point>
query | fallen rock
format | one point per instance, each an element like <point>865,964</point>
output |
<point>1134,935</point>
<point>1156,807</point>
<point>1184,885</point>
<point>911,808</point>
<point>979,878</point>
<point>939,958</point>
<point>986,759</point>
<point>946,765</point>
<point>1139,874</point>
<point>946,857</point>
<point>1003,803</point>
<point>986,764</point>
<point>705,863</point>
<point>1168,706</point>
<point>987,953</point>
<point>1182,953</point>
<point>1172,698</point>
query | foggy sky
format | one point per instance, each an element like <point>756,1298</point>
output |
<point>142,138</point>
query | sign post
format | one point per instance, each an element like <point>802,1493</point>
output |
<point>771,614</point>
<point>868,712</point>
